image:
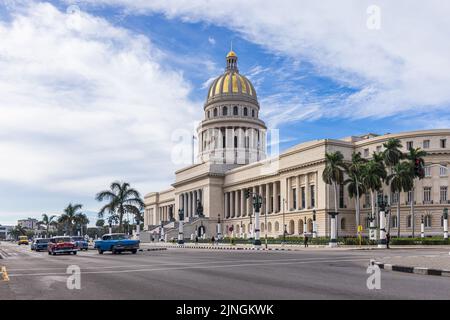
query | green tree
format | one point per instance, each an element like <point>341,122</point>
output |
<point>354,182</point>
<point>392,153</point>
<point>69,217</point>
<point>401,179</point>
<point>415,156</point>
<point>81,220</point>
<point>100,223</point>
<point>47,222</point>
<point>122,199</point>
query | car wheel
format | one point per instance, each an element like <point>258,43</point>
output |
<point>74,252</point>
<point>54,253</point>
<point>100,251</point>
<point>133,251</point>
<point>114,251</point>
<point>49,253</point>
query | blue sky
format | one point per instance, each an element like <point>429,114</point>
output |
<point>94,91</point>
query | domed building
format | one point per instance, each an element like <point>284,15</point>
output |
<point>211,194</point>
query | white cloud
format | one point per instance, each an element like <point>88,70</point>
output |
<point>83,102</point>
<point>403,67</point>
<point>211,40</point>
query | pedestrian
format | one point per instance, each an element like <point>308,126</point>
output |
<point>213,241</point>
<point>196,240</point>
<point>388,239</point>
<point>305,240</point>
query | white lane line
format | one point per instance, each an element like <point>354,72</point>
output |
<point>176,264</point>
<point>187,267</point>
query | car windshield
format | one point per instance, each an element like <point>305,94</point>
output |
<point>77,238</point>
<point>41,240</point>
<point>61,240</point>
<point>23,238</point>
<point>118,237</point>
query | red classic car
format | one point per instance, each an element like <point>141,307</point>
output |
<point>61,245</point>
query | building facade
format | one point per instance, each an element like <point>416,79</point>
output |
<point>232,158</point>
<point>29,223</point>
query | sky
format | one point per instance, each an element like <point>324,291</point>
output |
<point>102,90</point>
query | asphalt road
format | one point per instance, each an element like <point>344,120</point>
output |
<point>207,274</point>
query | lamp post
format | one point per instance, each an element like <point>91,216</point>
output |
<point>180,227</point>
<point>333,239</point>
<point>422,227</point>
<point>314,224</point>
<point>265,226</point>
<point>219,229</point>
<point>284,224</point>
<point>242,231</point>
<point>383,205</point>
<point>445,216</point>
<point>257,202</point>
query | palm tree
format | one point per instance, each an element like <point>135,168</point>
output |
<point>401,179</point>
<point>333,174</point>
<point>68,218</point>
<point>47,221</point>
<point>354,181</point>
<point>373,174</point>
<point>415,158</point>
<point>18,231</point>
<point>392,153</point>
<point>81,220</point>
<point>122,200</point>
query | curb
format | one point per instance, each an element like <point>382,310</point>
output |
<point>226,248</point>
<point>415,270</point>
<point>152,249</point>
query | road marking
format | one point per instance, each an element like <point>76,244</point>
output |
<point>187,267</point>
<point>5,276</point>
<point>186,263</point>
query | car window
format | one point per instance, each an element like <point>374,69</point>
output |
<point>106,237</point>
<point>61,240</point>
<point>44,240</point>
<point>119,237</point>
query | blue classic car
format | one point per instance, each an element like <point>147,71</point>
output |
<point>81,243</point>
<point>39,244</point>
<point>116,243</point>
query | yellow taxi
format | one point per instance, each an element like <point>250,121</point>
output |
<point>23,240</point>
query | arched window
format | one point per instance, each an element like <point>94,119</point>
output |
<point>394,222</point>
<point>262,227</point>
<point>235,111</point>
<point>208,114</point>
<point>235,142</point>
<point>215,112</point>
<point>343,224</point>
<point>291,227</point>
<point>442,221</point>
<point>300,226</point>
<point>408,221</point>
<point>225,111</point>
<point>310,226</point>
<point>253,113</point>
<point>245,111</point>
<point>277,226</point>
<point>269,227</point>
<point>427,221</point>
<point>243,228</point>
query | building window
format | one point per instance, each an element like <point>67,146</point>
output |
<point>313,197</point>
<point>209,114</point>
<point>394,197</point>
<point>428,171</point>
<point>367,223</point>
<point>366,152</point>
<point>253,113</point>
<point>394,221</point>
<point>427,194</point>
<point>343,224</point>
<point>235,111</point>
<point>443,194</point>
<point>245,111</point>
<point>303,198</point>
<point>225,111</point>
<point>408,221</point>
<point>409,145</point>
<point>341,196</point>
<point>426,144</point>
<point>442,221</point>
<point>427,221</point>
<point>408,200</point>
<point>443,143</point>
<point>277,226</point>
<point>294,198</point>
<point>443,170</point>
<point>215,112</point>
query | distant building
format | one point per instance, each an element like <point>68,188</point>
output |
<point>29,223</point>
<point>5,232</point>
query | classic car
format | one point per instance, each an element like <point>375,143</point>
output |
<point>39,244</point>
<point>81,243</point>
<point>23,240</point>
<point>61,245</point>
<point>116,243</point>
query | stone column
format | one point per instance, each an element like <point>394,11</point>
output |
<point>232,207</point>
<point>194,211</point>
<point>227,203</point>
<point>275,197</point>
<point>307,199</point>
<point>298,190</point>
<point>236,204</point>
<point>185,206</point>
<point>267,198</point>
<point>243,203</point>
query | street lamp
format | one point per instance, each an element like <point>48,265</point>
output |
<point>265,224</point>
<point>219,229</point>
<point>445,217</point>
<point>257,202</point>
<point>180,226</point>
<point>314,224</point>
<point>422,227</point>
<point>284,224</point>
<point>383,205</point>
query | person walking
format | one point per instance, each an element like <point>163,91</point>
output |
<point>305,240</point>
<point>196,240</point>
<point>213,241</point>
<point>388,239</point>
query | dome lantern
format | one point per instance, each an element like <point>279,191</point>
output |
<point>232,61</point>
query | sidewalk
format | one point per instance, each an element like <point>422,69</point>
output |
<point>436,265</point>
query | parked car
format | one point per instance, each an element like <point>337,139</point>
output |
<point>116,243</point>
<point>23,240</point>
<point>39,244</point>
<point>61,245</point>
<point>81,243</point>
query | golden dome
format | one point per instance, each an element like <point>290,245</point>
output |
<point>231,54</point>
<point>231,85</point>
